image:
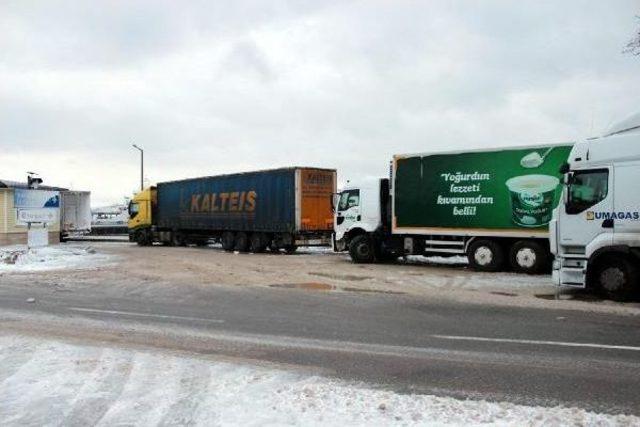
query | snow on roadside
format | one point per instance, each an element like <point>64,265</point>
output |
<point>85,385</point>
<point>18,258</point>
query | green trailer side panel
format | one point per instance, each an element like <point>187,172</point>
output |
<point>469,190</point>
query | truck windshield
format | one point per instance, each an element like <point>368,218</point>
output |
<point>349,199</point>
<point>134,208</point>
<point>586,189</point>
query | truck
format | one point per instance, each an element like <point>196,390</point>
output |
<point>246,212</point>
<point>110,220</point>
<point>595,230</point>
<point>75,214</point>
<point>492,206</point>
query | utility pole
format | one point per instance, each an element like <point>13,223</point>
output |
<point>141,165</point>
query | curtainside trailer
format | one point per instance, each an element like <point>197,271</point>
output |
<point>492,206</point>
<point>251,211</point>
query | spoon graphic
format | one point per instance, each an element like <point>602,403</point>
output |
<point>534,159</point>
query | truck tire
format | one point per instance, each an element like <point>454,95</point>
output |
<point>178,239</point>
<point>290,249</point>
<point>485,255</point>
<point>362,250</point>
<point>143,238</point>
<point>258,243</point>
<point>617,278</point>
<point>528,256</point>
<point>228,241</point>
<point>242,242</point>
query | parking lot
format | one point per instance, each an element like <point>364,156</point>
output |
<point>129,268</point>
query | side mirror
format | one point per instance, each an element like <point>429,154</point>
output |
<point>334,201</point>
<point>564,168</point>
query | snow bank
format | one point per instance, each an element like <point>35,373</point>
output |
<point>20,259</point>
<point>84,385</point>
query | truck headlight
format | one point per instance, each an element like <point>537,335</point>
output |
<point>556,264</point>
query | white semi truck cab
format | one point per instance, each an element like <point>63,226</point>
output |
<point>360,209</point>
<point>595,230</point>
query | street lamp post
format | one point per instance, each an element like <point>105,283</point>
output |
<point>141,165</point>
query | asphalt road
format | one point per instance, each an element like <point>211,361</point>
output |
<point>527,356</point>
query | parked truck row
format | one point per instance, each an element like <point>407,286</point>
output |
<point>503,209</point>
<point>575,207</point>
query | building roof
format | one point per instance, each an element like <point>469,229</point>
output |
<point>5,183</point>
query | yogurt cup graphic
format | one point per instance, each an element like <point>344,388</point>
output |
<point>532,199</point>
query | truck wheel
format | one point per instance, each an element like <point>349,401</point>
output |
<point>178,239</point>
<point>290,249</point>
<point>258,243</point>
<point>242,242</point>
<point>485,255</point>
<point>617,278</point>
<point>361,249</point>
<point>228,241</point>
<point>142,238</point>
<point>528,256</point>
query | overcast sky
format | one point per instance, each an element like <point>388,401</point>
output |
<point>214,87</point>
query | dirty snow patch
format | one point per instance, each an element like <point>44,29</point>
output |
<point>437,260</point>
<point>315,250</point>
<point>19,258</point>
<point>85,385</point>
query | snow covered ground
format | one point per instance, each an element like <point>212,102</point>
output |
<point>18,258</point>
<point>45,382</point>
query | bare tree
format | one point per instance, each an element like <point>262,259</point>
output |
<point>633,47</point>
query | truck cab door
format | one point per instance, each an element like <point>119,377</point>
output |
<point>347,212</point>
<point>585,221</point>
<point>627,205</point>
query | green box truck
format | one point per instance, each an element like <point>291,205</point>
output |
<point>493,206</point>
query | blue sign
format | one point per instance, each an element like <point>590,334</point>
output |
<point>36,198</point>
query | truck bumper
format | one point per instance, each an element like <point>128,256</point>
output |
<point>570,272</point>
<point>555,276</point>
<point>338,245</point>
